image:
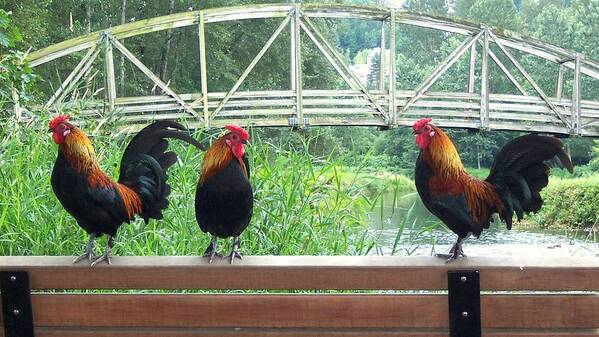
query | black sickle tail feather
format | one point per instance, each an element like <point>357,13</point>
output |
<point>520,172</point>
<point>145,162</point>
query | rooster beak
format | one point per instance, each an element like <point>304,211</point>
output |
<point>244,141</point>
<point>50,130</point>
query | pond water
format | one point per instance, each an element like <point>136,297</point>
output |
<point>409,229</point>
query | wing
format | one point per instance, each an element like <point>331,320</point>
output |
<point>453,210</point>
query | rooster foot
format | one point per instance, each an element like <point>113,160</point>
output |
<point>87,255</point>
<point>235,252</point>
<point>212,251</point>
<point>211,255</point>
<point>450,257</point>
<point>89,250</point>
<point>455,252</point>
<point>107,256</point>
<point>234,255</point>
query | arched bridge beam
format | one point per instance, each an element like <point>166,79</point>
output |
<point>387,105</point>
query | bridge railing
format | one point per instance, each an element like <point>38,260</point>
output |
<point>349,107</point>
<point>303,296</point>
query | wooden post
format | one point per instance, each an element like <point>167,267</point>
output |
<point>471,69</point>
<point>382,68</point>
<point>110,79</point>
<point>484,87</point>
<point>203,73</point>
<point>575,117</point>
<point>392,69</point>
<point>559,86</point>
<point>17,105</point>
<point>296,50</point>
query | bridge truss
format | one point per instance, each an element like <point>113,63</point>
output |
<point>386,106</point>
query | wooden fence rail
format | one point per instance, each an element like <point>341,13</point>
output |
<point>310,296</point>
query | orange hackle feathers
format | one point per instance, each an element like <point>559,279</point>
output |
<point>57,120</point>
<point>131,200</point>
<point>451,177</point>
<point>217,157</point>
<point>79,151</point>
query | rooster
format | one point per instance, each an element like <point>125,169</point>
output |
<point>466,204</point>
<point>100,205</point>
<point>224,197</point>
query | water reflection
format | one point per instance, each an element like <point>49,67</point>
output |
<point>409,229</point>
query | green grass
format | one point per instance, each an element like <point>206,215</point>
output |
<point>303,205</point>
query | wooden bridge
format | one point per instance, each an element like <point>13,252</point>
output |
<point>532,109</point>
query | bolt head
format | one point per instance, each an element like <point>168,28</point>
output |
<point>16,312</point>
<point>13,278</point>
<point>463,279</point>
<point>464,314</point>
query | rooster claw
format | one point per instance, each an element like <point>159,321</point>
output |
<point>212,255</point>
<point>87,255</point>
<point>104,257</point>
<point>450,257</point>
<point>234,255</point>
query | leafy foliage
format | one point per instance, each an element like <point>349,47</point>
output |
<point>15,73</point>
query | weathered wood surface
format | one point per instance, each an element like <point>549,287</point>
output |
<point>308,272</point>
<point>241,332</point>
<point>513,40</point>
<point>307,311</point>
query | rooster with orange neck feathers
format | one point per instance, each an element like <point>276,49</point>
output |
<point>224,197</point>
<point>466,204</point>
<point>99,204</point>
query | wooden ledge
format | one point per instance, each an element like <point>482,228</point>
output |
<point>307,272</point>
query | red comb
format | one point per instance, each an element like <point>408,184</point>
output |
<point>238,130</point>
<point>421,123</point>
<point>57,120</point>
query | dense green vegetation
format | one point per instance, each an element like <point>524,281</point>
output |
<point>570,202</point>
<point>314,188</point>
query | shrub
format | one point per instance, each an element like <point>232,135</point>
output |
<point>571,202</point>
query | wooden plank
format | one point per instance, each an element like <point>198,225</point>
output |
<point>296,68</point>
<point>238,332</point>
<point>484,85</point>
<point>307,272</point>
<point>109,74</point>
<point>307,311</point>
<point>392,93</point>
<point>203,65</point>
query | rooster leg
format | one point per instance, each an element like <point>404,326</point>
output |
<point>107,252</point>
<point>211,250</point>
<point>235,252</point>
<point>455,251</point>
<point>89,250</point>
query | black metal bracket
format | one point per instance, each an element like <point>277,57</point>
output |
<point>16,304</point>
<point>464,303</point>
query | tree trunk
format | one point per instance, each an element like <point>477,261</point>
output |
<point>167,47</point>
<point>122,66</point>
